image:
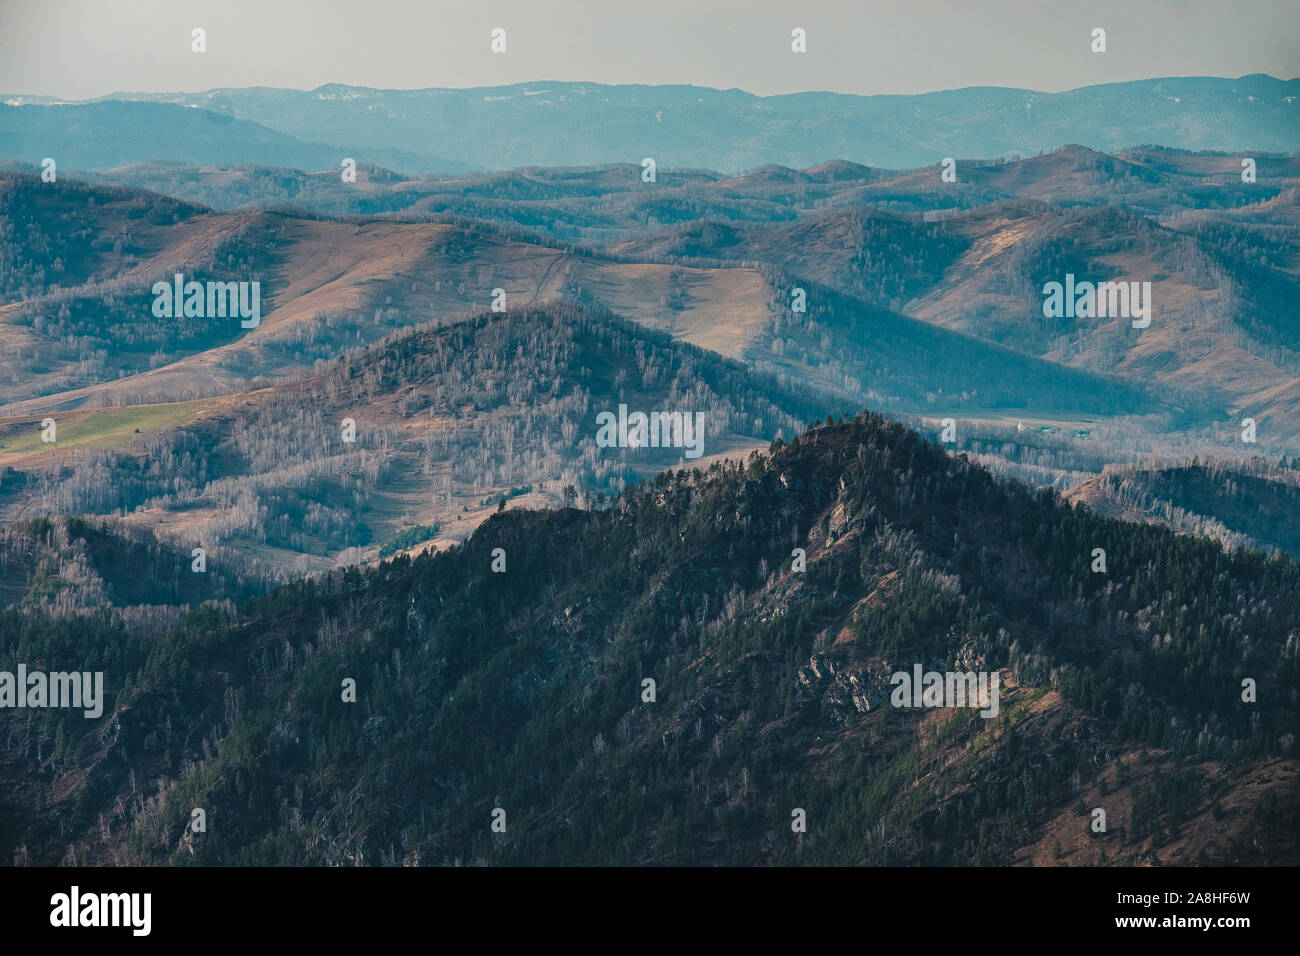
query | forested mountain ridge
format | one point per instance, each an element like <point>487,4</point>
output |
<point>1244,503</point>
<point>72,565</point>
<point>522,689</point>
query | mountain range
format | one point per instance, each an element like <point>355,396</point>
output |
<point>919,298</point>
<point>657,679</point>
<point>385,571</point>
<point>571,124</point>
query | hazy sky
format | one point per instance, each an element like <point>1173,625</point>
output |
<point>84,48</point>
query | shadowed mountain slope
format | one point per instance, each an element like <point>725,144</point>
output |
<point>523,690</point>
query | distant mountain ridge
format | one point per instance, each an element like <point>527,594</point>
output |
<point>112,133</point>
<point>567,124</point>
